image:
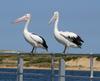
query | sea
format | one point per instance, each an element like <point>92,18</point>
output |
<point>46,75</point>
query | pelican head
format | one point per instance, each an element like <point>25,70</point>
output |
<point>25,18</point>
<point>55,17</point>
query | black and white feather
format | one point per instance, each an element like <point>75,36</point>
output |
<point>35,40</point>
<point>72,37</point>
<point>68,39</point>
<point>39,40</point>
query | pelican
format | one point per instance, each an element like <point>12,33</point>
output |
<point>68,39</point>
<point>35,40</point>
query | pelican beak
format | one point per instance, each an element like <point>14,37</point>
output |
<point>20,19</point>
<point>51,20</point>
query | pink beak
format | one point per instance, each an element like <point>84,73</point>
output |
<point>20,19</point>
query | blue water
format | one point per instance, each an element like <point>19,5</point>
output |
<point>45,75</point>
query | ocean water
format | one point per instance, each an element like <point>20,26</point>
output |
<point>45,75</point>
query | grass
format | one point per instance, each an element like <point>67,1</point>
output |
<point>37,60</point>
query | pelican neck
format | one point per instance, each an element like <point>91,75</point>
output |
<point>26,25</point>
<point>56,25</point>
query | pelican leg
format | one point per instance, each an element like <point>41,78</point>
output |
<point>67,50</point>
<point>35,50</point>
<point>64,49</point>
<point>32,50</point>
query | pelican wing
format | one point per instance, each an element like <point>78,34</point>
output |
<point>72,37</point>
<point>39,39</point>
<point>36,38</point>
<point>68,34</point>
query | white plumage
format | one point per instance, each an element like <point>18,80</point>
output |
<point>68,39</point>
<point>35,40</point>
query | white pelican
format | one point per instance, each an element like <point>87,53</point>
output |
<point>68,39</point>
<point>35,40</point>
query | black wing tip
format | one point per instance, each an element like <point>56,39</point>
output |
<point>46,49</point>
<point>80,47</point>
<point>44,43</point>
<point>80,39</point>
<point>80,44</point>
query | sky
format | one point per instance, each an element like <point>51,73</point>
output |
<point>79,16</point>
